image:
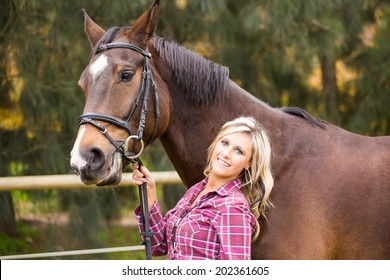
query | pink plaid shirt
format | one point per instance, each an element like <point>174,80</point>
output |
<point>219,226</point>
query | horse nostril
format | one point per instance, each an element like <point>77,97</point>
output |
<point>95,158</point>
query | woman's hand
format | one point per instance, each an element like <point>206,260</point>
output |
<point>143,175</point>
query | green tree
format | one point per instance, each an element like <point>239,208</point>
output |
<point>11,10</point>
<point>274,48</point>
<point>371,115</point>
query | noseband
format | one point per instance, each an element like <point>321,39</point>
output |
<point>146,83</point>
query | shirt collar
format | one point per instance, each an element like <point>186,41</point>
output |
<point>226,189</point>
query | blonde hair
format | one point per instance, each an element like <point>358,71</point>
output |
<point>257,181</point>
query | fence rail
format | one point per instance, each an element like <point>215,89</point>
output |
<point>39,182</point>
<point>73,253</point>
<point>71,181</point>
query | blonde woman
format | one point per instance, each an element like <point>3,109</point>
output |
<point>217,218</point>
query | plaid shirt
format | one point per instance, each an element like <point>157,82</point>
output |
<point>219,226</point>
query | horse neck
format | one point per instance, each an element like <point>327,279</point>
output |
<point>193,127</point>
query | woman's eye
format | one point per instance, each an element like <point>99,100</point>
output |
<point>225,143</point>
<point>126,76</point>
<point>239,151</point>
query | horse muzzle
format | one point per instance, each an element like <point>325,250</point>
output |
<point>96,168</point>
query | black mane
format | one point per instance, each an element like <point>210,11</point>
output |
<point>298,112</point>
<point>204,81</point>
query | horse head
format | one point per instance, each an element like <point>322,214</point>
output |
<point>122,104</point>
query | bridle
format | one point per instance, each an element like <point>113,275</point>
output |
<point>122,147</point>
<point>147,82</point>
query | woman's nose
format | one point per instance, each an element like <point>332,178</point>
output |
<point>226,153</point>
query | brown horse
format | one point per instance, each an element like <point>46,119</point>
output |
<point>332,187</point>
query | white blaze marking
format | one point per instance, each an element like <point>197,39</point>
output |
<point>76,159</point>
<point>98,66</point>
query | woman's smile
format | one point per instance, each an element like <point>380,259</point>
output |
<point>224,163</point>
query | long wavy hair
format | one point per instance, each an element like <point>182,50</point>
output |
<point>257,180</point>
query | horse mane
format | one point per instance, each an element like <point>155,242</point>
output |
<point>203,81</point>
<point>298,112</point>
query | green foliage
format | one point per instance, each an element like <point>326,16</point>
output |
<point>21,243</point>
<point>274,48</point>
<point>10,245</point>
<point>372,111</point>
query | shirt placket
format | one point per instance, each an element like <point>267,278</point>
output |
<point>182,215</point>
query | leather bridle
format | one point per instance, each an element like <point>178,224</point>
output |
<point>122,147</point>
<point>146,83</point>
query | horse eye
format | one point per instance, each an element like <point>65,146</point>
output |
<point>126,76</point>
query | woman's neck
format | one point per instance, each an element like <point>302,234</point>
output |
<point>214,182</point>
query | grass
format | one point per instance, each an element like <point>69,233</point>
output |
<point>39,237</point>
<point>22,243</point>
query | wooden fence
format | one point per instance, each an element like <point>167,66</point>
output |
<point>71,181</point>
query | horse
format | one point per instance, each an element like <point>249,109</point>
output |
<point>332,187</point>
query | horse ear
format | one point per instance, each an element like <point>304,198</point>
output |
<point>93,31</point>
<point>145,25</point>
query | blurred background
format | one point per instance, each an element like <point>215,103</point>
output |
<point>329,57</point>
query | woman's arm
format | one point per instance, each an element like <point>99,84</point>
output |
<point>158,226</point>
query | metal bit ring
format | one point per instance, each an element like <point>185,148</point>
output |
<point>128,154</point>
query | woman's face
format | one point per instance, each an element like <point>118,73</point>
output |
<point>231,155</point>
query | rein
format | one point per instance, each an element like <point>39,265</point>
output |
<point>93,118</point>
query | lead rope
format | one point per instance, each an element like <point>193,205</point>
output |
<point>146,233</point>
<point>142,189</point>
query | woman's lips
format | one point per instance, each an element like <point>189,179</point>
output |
<point>224,163</point>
